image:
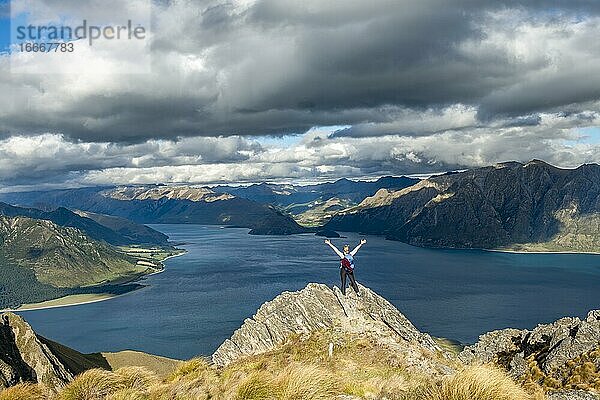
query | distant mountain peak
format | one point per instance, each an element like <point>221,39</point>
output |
<point>538,162</point>
<point>169,192</point>
<point>508,164</point>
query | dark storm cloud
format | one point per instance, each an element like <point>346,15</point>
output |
<point>282,66</point>
<point>408,87</point>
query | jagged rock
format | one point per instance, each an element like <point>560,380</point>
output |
<point>552,344</point>
<point>491,344</point>
<point>24,358</point>
<point>318,307</point>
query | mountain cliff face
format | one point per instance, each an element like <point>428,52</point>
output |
<point>167,192</point>
<point>319,307</point>
<point>25,358</point>
<point>28,357</point>
<point>532,206</point>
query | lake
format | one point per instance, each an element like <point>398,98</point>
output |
<point>204,295</point>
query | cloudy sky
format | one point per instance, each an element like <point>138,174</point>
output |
<point>254,90</point>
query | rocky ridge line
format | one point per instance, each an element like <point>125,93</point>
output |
<point>319,307</point>
<point>24,358</point>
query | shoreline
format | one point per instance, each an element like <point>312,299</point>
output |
<point>93,298</point>
<point>184,252</point>
<point>591,253</point>
<point>509,251</point>
<point>40,306</point>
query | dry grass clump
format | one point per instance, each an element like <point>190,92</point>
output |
<point>194,379</point>
<point>96,384</point>
<point>128,394</point>
<point>24,391</point>
<point>136,378</point>
<point>483,382</point>
<point>305,382</point>
<point>256,386</point>
<point>295,382</point>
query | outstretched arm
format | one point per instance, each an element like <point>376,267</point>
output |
<point>357,248</point>
<point>339,253</point>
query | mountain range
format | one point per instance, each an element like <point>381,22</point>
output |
<point>515,206</point>
<point>159,204</point>
<point>530,206</point>
<point>284,195</point>
<point>113,230</point>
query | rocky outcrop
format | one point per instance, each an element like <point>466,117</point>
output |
<point>572,395</point>
<point>24,358</point>
<point>565,353</point>
<point>318,307</point>
<point>555,343</point>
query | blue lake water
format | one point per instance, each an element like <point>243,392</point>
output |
<point>203,296</point>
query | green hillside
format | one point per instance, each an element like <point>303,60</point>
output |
<point>40,260</point>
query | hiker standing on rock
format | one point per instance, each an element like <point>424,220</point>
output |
<point>347,263</point>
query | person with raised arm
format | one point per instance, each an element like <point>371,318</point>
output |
<point>347,263</point>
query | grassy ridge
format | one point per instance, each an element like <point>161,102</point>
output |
<point>302,369</point>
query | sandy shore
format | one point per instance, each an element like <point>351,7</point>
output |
<point>66,301</point>
<point>175,255</point>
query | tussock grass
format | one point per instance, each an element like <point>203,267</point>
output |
<point>24,391</point>
<point>299,370</point>
<point>195,379</point>
<point>128,394</point>
<point>136,378</point>
<point>256,386</point>
<point>94,384</point>
<point>306,382</point>
<point>98,384</point>
<point>483,382</point>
